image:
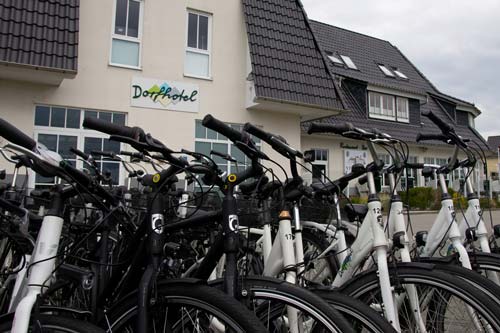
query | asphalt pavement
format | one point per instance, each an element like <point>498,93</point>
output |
<point>424,220</point>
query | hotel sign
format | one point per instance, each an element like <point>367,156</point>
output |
<point>163,94</point>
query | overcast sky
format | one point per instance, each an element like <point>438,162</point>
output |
<point>455,43</point>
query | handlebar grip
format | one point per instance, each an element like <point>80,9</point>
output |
<point>79,153</point>
<point>426,137</point>
<point>109,154</point>
<point>277,142</point>
<point>363,180</point>
<point>436,120</point>
<point>214,124</point>
<point>132,154</point>
<point>330,128</point>
<point>135,133</point>
<point>13,134</point>
<point>414,165</point>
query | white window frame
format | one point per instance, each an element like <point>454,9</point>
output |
<point>386,71</point>
<point>322,162</point>
<point>407,103</point>
<point>400,74</point>
<point>348,62</point>
<point>208,51</point>
<point>395,99</point>
<point>127,38</point>
<point>81,133</point>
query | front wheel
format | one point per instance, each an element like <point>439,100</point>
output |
<point>183,306</point>
<point>446,303</point>
<point>53,324</point>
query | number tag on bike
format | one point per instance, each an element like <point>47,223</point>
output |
<point>234,223</point>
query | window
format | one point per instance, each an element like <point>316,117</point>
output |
<point>384,106</point>
<point>412,175</point>
<point>335,60</point>
<point>197,62</point>
<point>385,70</point>
<point>402,108</point>
<point>400,74</point>
<point>126,37</point>
<point>320,165</point>
<point>349,63</point>
<point>387,162</point>
<point>207,140</point>
<point>60,128</point>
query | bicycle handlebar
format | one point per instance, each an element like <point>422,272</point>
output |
<point>214,124</point>
<point>277,142</point>
<point>330,128</point>
<point>14,135</point>
<point>426,137</point>
<point>107,127</point>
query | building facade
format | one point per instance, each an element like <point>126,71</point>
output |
<point>164,66</point>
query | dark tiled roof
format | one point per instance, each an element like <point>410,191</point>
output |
<point>407,132</point>
<point>287,64</point>
<point>40,33</point>
<point>367,52</point>
<point>494,142</point>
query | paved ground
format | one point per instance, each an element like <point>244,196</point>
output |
<point>423,221</point>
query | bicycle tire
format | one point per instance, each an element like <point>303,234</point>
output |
<point>312,240</point>
<point>184,293</point>
<point>50,323</point>
<point>255,291</point>
<point>425,276</point>
<point>361,317</point>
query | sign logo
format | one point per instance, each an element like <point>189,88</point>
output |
<point>164,94</point>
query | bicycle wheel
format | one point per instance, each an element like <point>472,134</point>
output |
<point>361,317</point>
<point>275,301</point>
<point>483,263</point>
<point>447,303</point>
<point>318,270</point>
<point>185,306</point>
<point>53,324</point>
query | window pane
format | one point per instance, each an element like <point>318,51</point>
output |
<point>65,143</point>
<point>113,169</point>
<point>73,118</point>
<point>196,64</point>
<point>113,146</point>
<point>42,115</point>
<point>44,180</point>
<point>91,144</point>
<point>92,114</point>
<point>57,119</point>
<point>221,148</point>
<point>192,29</point>
<point>119,118</point>
<point>133,18</point>
<point>237,154</point>
<point>202,148</point>
<point>121,17</point>
<point>200,130</point>
<point>125,53</point>
<point>211,134</point>
<point>105,116</point>
<point>48,140</point>
<point>203,33</point>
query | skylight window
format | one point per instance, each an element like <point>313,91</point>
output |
<point>335,60</point>
<point>400,74</point>
<point>385,70</point>
<point>348,62</point>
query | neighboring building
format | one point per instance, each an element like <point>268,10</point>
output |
<point>384,90</point>
<point>120,59</point>
<point>164,65</point>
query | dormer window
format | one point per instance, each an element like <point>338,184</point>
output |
<point>388,107</point>
<point>400,74</point>
<point>349,63</point>
<point>385,70</point>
